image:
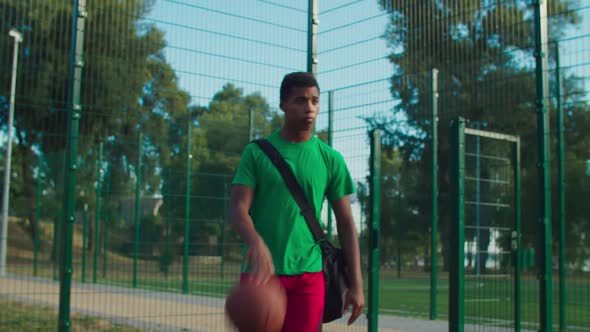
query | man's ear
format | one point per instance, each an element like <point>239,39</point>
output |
<point>281,106</point>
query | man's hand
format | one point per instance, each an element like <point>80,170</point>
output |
<point>260,260</point>
<point>355,298</point>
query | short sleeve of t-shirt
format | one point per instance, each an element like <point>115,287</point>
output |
<point>341,183</point>
<point>246,171</point>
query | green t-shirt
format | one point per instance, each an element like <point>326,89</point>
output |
<point>321,172</point>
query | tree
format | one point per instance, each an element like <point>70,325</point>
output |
<point>220,132</point>
<point>401,229</point>
<point>481,54</point>
<point>127,88</point>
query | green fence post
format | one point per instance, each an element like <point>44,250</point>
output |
<point>55,248</point>
<point>96,246</point>
<point>398,230</point>
<point>457,259</point>
<point>105,222</point>
<point>543,165</point>
<point>37,221</point>
<point>517,238</point>
<point>137,208</point>
<point>187,210</point>
<point>434,194</point>
<point>167,229</point>
<point>330,143</point>
<point>73,118</point>
<point>374,231</point>
<point>84,241</point>
<point>561,190</point>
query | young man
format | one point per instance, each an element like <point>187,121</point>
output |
<point>269,220</point>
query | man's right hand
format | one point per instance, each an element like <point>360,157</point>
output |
<point>260,260</point>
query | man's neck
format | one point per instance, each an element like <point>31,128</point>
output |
<point>293,136</point>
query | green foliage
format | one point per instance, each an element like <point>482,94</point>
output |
<point>151,232</point>
<point>165,258</point>
<point>151,236</point>
<point>402,229</point>
<point>127,89</point>
<point>219,133</point>
<point>483,56</point>
<point>124,93</point>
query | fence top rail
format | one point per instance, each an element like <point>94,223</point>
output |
<point>493,135</point>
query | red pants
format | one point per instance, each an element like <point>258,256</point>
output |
<point>305,301</point>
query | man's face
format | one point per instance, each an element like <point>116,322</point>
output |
<point>301,108</point>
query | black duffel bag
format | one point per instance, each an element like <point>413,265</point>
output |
<point>336,279</point>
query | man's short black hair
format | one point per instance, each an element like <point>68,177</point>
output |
<point>297,80</point>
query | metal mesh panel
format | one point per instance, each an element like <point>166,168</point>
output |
<point>490,225</point>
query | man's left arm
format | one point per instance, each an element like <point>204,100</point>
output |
<point>350,244</point>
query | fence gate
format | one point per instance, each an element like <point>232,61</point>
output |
<point>485,264</point>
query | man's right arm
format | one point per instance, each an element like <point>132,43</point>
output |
<point>239,204</point>
<point>258,255</point>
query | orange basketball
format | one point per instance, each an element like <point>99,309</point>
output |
<point>257,308</point>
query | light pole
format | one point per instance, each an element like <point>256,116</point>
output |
<point>18,37</point>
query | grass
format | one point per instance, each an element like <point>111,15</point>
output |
<point>485,300</point>
<point>20,317</point>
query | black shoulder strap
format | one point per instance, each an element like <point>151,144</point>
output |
<point>307,210</point>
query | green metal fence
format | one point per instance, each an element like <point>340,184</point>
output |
<point>149,104</point>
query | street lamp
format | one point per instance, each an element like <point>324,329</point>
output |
<point>18,37</point>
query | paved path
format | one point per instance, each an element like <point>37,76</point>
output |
<point>149,310</point>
